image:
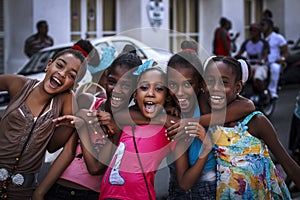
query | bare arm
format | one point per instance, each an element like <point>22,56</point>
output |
<point>262,128</point>
<point>97,162</point>
<point>63,133</point>
<point>57,168</point>
<point>187,175</point>
<point>235,111</point>
<point>12,83</point>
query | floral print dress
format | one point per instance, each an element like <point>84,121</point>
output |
<point>244,166</point>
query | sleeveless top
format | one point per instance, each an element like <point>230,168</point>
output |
<point>245,169</point>
<point>15,127</point>
<point>77,171</point>
<point>124,178</point>
<point>220,49</point>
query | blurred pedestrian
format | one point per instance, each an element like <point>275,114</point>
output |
<point>277,55</point>
<point>257,50</point>
<point>38,41</point>
<point>222,41</point>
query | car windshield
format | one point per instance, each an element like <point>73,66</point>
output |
<point>38,62</point>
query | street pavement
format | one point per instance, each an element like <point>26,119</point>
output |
<point>281,119</point>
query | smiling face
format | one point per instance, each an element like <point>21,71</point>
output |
<point>61,73</point>
<point>183,84</point>
<point>119,87</point>
<point>221,84</point>
<point>151,93</point>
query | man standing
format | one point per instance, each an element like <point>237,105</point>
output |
<point>39,40</point>
<point>278,53</point>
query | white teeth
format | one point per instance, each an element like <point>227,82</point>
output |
<point>216,97</point>
<point>149,103</point>
<point>180,100</point>
<point>56,80</point>
<point>116,98</point>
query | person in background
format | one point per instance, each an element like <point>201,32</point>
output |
<point>191,46</point>
<point>222,41</point>
<point>268,14</point>
<point>257,50</point>
<point>277,55</point>
<point>38,41</point>
<point>294,141</point>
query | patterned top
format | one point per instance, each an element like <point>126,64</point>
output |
<point>244,167</point>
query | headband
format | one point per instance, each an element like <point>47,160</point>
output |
<point>77,47</point>
<point>245,71</point>
<point>207,61</point>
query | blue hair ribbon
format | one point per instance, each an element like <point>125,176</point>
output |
<point>146,65</point>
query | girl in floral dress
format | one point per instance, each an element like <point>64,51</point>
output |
<point>244,167</point>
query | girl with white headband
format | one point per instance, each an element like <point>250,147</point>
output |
<point>244,167</point>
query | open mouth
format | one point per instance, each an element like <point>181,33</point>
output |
<point>150,106</point>
<point>55,83</point>
<point>184,103</point>
<point>116,101</point>
<point>216,99</point>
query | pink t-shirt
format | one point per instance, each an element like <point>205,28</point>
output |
<point>77,171</point>
<point>123,178</point>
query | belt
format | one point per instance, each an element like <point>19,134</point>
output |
<point>18,179</point>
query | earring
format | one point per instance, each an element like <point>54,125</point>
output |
<point>202,90</point>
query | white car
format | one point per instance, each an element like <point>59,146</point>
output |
<point>34,68</point>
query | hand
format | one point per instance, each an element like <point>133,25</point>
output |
<point>194,129</point>
<point>105,121</point>
<point>177,130</point>
<point>68,120</point>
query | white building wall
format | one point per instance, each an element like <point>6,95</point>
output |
<point>133,21</point>
<point>291,19</point>
<point>19,26</point>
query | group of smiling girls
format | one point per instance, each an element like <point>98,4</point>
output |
<point>216,144</point>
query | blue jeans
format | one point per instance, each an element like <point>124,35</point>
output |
<point>201,189</point>
<point>59,192</point>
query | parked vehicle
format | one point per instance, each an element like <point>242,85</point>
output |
<point>261,97</point>
<point>291,73</point>
<point>34,68</point>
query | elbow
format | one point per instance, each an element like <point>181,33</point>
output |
<point>185,187</point>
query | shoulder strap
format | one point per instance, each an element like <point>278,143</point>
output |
<point>249,117</point>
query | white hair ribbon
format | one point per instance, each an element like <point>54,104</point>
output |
<point>245,71</point>
<point>207,61</point>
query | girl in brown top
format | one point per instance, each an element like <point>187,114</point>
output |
<point>26,127</point>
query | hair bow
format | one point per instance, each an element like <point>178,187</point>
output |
<point>146,65</point>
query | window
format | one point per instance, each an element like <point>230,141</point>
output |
<point>184,21</point>
<point>253,12</point>
<point>92,18</point>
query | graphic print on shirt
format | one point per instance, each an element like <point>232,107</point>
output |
<point>115,178</point>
